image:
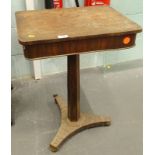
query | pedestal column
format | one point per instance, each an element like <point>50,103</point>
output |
<point>73,83</point>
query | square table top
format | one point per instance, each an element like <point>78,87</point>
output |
<point>54,25</point>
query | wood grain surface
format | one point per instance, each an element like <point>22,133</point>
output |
<point>45,33</point>
<point>71,47</point>
<point>44,26</point>
<point>73,87</point>
<point>69,128</point>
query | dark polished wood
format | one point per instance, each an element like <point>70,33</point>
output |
<point>73,82</point>
<point>37,51</point>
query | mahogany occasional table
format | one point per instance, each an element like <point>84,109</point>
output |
<point>70,32</point>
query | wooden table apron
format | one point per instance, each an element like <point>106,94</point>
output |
<point>77,46</point>
<point>40,41</point>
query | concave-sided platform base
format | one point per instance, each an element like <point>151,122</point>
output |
<point>69,128</point>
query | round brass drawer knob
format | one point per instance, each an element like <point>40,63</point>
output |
<point>126,40</point>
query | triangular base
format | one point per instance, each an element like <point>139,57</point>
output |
<point>68,128</point>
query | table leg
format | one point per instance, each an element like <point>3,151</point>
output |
<point>73,82</point>
<point>72,121</point>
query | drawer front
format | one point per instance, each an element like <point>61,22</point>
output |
<point>78,46</point>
